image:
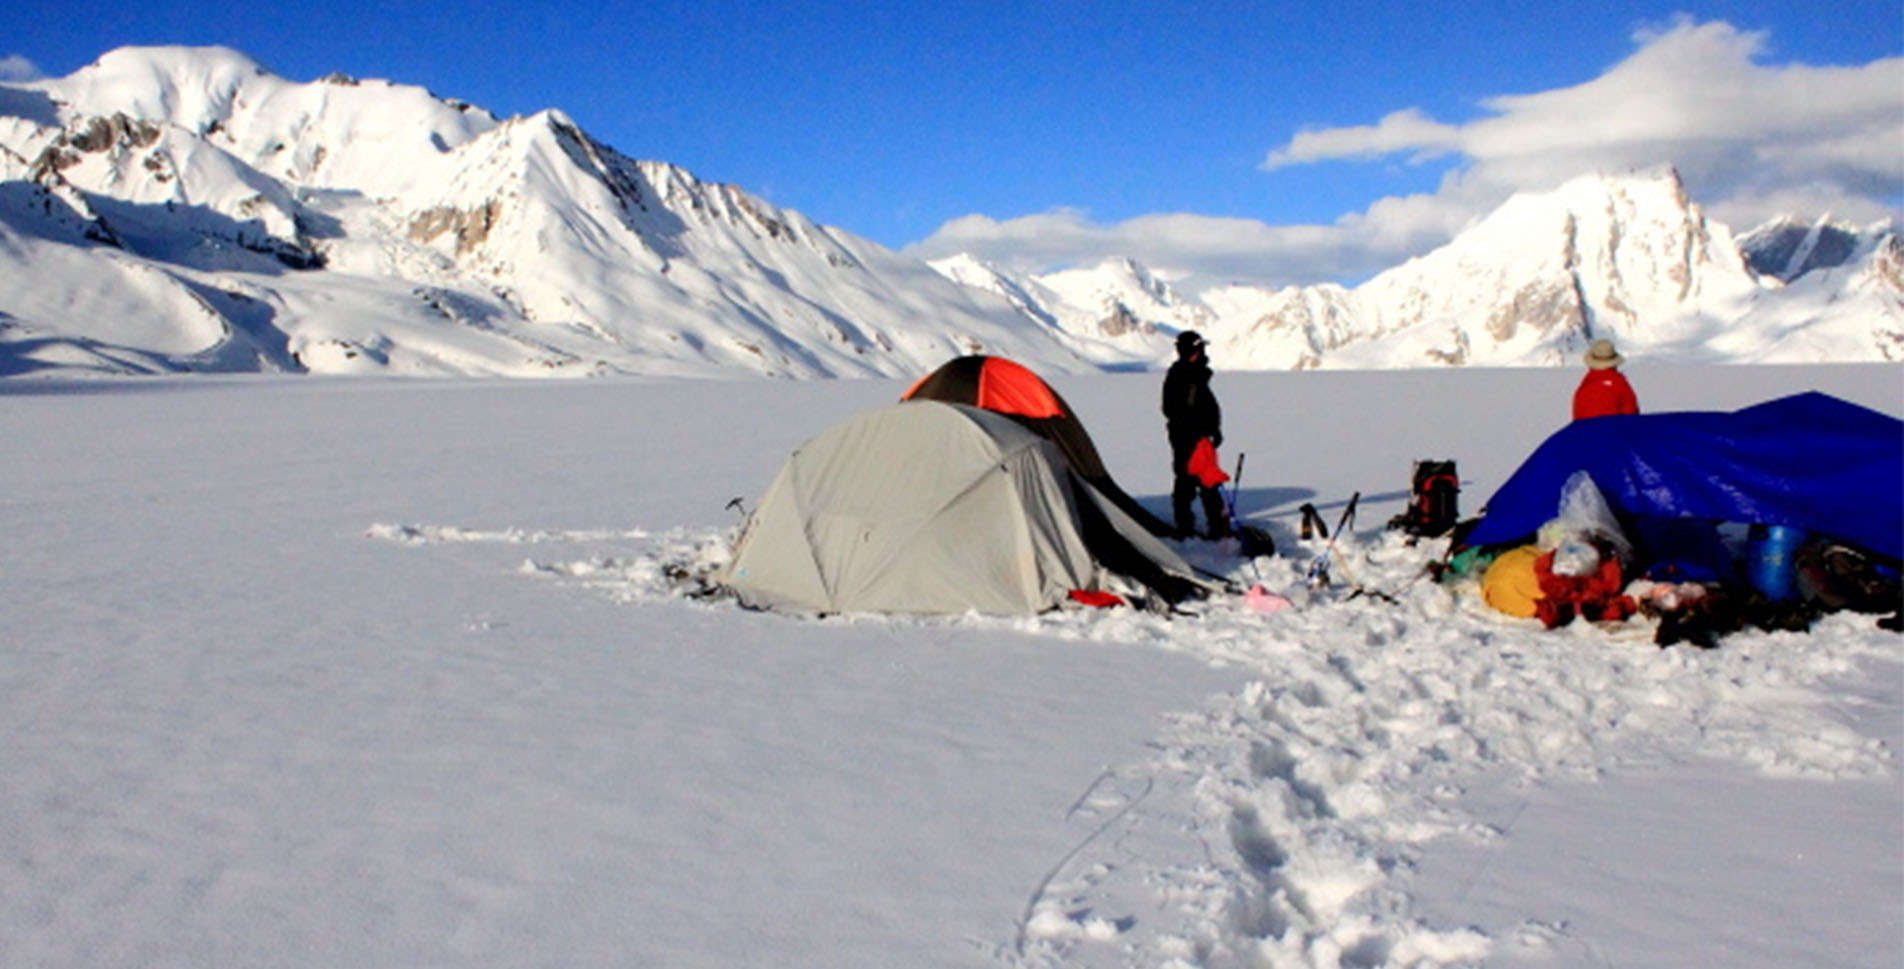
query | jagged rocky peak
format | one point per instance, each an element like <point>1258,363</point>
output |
<point>1132,272</point>
<point>1787,247</point>
<point>1144,278</point>
<point>328,132</point>
<point>1634,242</point>
<point>1600,213</point>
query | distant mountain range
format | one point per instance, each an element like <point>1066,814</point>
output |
<point>1628,257</point>
<point>183,209</point>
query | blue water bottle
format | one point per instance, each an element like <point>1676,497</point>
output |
<point>1772,569</point>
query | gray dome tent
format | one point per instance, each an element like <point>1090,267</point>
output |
<point>932,508</point>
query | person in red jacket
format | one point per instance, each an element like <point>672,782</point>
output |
<point>1604,392</point>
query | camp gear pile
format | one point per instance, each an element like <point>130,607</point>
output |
<point>1706,522</point>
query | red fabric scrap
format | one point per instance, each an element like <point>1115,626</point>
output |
<point>1204,466</point>
<point>1095,598</point>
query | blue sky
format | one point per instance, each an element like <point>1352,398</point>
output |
<point>1279,141</point>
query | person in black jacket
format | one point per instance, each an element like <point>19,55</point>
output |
<point>1191,414</point>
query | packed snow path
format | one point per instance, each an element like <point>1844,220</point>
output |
<point>1277,825</point>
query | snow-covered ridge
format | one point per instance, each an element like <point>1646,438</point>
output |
<point>249,222</point>
<point>1629,257</point>
<point>343,225</point>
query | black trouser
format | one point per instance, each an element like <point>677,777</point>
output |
<point>1187,487</point>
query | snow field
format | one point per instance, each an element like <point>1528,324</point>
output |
<point>309,672</point>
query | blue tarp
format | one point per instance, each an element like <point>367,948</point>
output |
<point>1811,460</point>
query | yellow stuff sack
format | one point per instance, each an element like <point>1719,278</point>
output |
<point>1509,584</point>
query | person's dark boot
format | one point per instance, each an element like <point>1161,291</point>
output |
<point>1180,498</point>
<point>1216,515</point>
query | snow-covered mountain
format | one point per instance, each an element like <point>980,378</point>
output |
<point>169,209</point>
<point>1787,248</point>
<point>1118,302</point>
<point>173,208</point>
<point>1627,256</point>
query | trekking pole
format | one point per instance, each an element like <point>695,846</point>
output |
<point>1236,487</point>
<point>1355,584</point>
<point>1348,514</point>
<point>1319,567</point>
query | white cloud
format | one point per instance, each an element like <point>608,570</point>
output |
<point>1749,139</point>
<point>1406,130</point>
<point>1693,95</point>
<point>14,69</point>
<point>1809,201</point>
<point>1202,249</point>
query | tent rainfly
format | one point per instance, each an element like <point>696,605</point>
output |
<point>926,507</point>
<point>1810,461</point>
<point>1009,388</point>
